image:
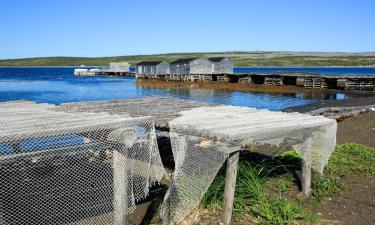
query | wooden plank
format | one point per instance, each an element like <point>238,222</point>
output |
<point>230,186</point>
<point>306,168</point>
<point>162,108</point>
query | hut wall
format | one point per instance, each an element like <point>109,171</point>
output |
<point>119,66</point>
<point>180,68</point>
<point>146,69</point>
<point>224,66</point>
<point>201,66</point>
<point>163,68</point>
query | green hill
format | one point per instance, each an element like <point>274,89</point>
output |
<point>239,58</point>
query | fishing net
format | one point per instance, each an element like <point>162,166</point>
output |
<point>73,168</point>
<point>203,138</point>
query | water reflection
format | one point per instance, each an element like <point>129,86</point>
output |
<point>323,96</point>
<point>249,99</point>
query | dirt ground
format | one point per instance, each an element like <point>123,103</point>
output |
<point>355,207</point>
<point>360,130</point>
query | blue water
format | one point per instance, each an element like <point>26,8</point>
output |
<point>59,85</point>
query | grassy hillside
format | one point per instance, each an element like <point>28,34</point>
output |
<point>239,59</point>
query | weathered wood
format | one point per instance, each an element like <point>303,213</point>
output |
<point>315,82</point>
<point>27,121</point>
<point>275,81</point>
<point>120,198</point>
<point>244,80</point>
<point>340,113</point>
<point>306,168</point>
<point>230,186</point>
<point>162,108</point>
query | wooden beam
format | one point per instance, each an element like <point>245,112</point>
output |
<point>306,168</point>
<point>230,186</point>
<point>120,198</point>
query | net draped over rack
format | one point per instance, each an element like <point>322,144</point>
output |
<point>204,137</point>
<point>73,168</point>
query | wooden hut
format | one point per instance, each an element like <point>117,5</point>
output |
<point>220,65</point>
<point>152,67</point>
<point>214,65</point>
<point>201,66</point>
<point>181,66</point>
<point>119,67</point>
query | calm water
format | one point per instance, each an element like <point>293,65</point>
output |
<point>59,85</point>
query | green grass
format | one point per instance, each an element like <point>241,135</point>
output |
<point>264,188</point>
<point>348,160</point>
<point>307,61</point>
<point>327,187</point>
<point>351,159</point>
<point>239,59</point>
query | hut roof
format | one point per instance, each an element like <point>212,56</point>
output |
<point>186,60</point>
<point>216,59</point>
<point>152,63</point>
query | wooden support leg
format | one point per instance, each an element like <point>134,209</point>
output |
<point>120,204</point>
<point>306,168</point>
<point>230,185</point>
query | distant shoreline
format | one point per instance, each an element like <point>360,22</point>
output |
<point>239,58</point>
<point>271,67</point>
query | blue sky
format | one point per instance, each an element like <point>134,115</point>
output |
<point>32,28</point>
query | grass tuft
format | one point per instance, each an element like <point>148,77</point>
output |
<point>351,159</point>
<point>323,187</point>
<point>252,197</point>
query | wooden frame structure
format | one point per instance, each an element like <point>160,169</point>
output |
<point>165,110</point>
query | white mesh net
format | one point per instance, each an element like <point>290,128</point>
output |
<point>73,168</point>
<point>203,138</point>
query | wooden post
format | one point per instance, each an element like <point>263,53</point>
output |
<point>306,168</point>
<point>120,204</point>
<point>230,185</point>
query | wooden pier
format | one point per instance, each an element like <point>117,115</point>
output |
<point>99,72</point>
<point>307,80</point>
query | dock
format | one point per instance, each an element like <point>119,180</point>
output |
<point>101,72</point>
<point>306,80</point>
<point>114,69</point>
<point>203,70</point>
